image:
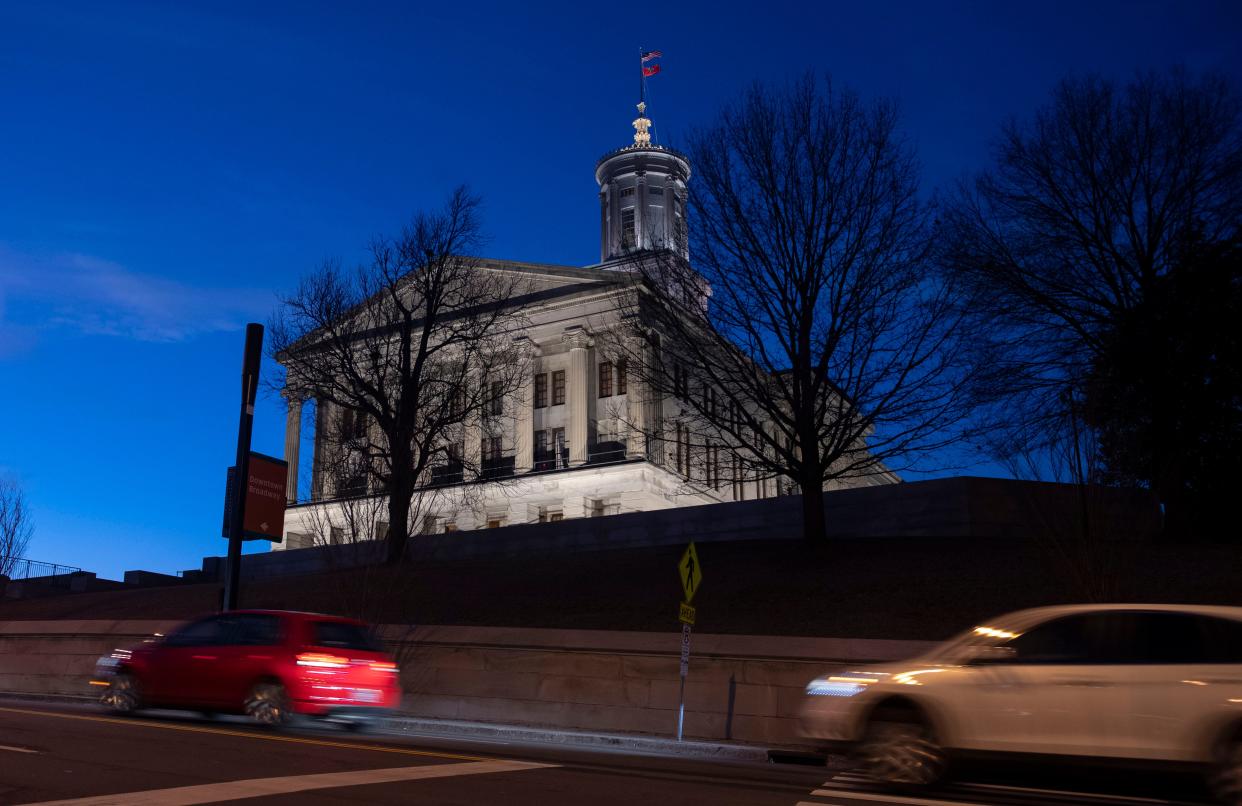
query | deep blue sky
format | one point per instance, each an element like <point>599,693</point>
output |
<point>167,168</point>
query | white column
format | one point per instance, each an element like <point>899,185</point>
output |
<point>636,403</point>
<point>523,420</point>
<point>323,459</point>
<point>472,449</point>
<point>578,393</point>
<point>293,442</point>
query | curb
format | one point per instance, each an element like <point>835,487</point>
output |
<point>18,695</point>
<point>602,741</point>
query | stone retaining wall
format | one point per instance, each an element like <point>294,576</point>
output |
<point>745,688</point>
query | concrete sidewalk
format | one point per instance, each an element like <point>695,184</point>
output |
<point>621,742</point>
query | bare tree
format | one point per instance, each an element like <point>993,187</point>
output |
<point>808,343</point>
<point>405,358</point>
<point>16,525</point>
<point>1090,205</point>
<point>1082,524</point>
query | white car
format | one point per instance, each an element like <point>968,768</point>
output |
<point>1145,683</point>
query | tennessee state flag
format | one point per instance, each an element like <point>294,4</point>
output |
<point>650,70</point>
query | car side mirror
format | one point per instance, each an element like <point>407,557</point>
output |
<point>993,654</point>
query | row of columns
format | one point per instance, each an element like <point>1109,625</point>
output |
<point>639,412</point>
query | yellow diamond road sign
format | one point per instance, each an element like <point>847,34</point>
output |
<point>691,574</point>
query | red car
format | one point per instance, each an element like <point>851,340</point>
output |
<point>268,664</point>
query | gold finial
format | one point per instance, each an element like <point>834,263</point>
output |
<point>641,136</point>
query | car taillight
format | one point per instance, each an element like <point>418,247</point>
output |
<point>322,660</point>
<point>383,666</point>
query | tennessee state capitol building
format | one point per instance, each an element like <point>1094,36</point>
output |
<point>574,441</point>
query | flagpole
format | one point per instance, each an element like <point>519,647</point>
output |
<point>642,79</point>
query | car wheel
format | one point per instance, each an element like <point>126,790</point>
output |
<point>121,695</point>
<point>902,750</point>
<point>1226,780</point>
<point>268,704</point>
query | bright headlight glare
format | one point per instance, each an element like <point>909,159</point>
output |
<point>830,688</point>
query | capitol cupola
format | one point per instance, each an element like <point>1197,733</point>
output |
<point>642,197</point>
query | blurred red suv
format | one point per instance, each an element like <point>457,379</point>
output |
<point>268,664</point>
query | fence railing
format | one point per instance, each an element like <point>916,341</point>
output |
<point>22,568</point>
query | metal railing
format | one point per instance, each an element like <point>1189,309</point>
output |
<point>22,568</point>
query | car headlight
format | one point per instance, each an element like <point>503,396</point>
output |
<point>830,688</point>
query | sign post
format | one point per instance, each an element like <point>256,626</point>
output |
<point>691,577</point>
<point>249,388</point>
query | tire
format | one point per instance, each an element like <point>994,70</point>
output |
<point>1225,781</point>
<point>901,750</point>
<point>268,705</point>
<point>121,696</point>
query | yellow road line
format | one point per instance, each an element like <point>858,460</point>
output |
<point>133,722</point>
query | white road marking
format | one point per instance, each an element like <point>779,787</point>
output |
<point>1065,793</point>
<point>846,794</point>
<point>17,749</point>
<point>264,787</point>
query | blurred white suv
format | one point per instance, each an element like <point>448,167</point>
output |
<point>1149,683</point>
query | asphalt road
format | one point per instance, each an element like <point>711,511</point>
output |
<point>68,754</point>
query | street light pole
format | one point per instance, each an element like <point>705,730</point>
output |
<point>250,386</point>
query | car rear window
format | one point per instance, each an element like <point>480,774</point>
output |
<point>343,635</point>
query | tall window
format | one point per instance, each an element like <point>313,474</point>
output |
<point>496,401</point>
<point>541,390</point>
<point>605,379</point>
<point>620,375</point>
<point>627,228</point>
<point>739,479</point>
<point>681,446</point>
<point>541,444</point>
<point>711,465</point>
<point>491,448</point>
<point>627,192</point>
<point>558,445</point>
<point>681,382</point>
<point>558,387</point>
<point>709,401</point>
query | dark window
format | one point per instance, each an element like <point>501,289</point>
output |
<point>711,470</point>
<point>541,390</point>
<point>627,192</point>
<point>491,448</point>
<point>681,382</point>
<point>605,379</point>
<point>206,632</point>
<point>1103,638</point>
<point>558,387</point>
<point>656,191</point>
<point>1222,639</point>
<point>709,401</point>
<point>627,228</point>
<point>1061,640</point>
<point>251,629</point>
<point>344,635</point>
<point>620,374</point>
<point>496,401</point>
<point>541,444</point>
<point>682,448</point>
